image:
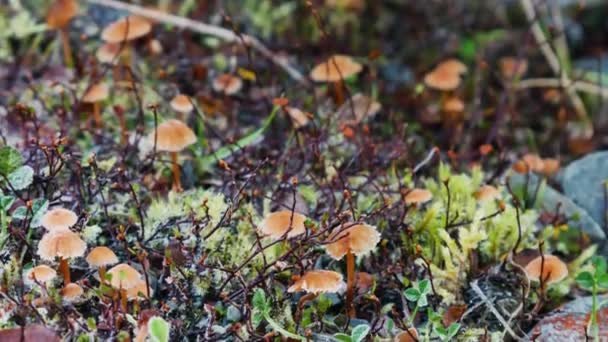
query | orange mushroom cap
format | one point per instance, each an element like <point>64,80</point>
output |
<point>512,67</point>
<point>336,68</point>
<point>59,218</point>
<point>406,336</point>
<point>126,29</point>
<point>138,291</point>
<point>71,292</point>
<point>124,276</point>
<point>97,92</point>
<point>60,13</point>
<point>358,239</point>
<point>534,162</point>
<point>298,117</point>
<point>283,222</point>
<point>453,65</point>
<point>101,256</point>
<point>487,192</point>
<point>42,273</point>
<point>227,84</point>
<point>554,270</point>
<point>441,79</point>
<point>61,243</point>
<point>550,166</point>
<point>418,196</point>
<point>319,281</point>
<point>182,103</point>
<point>173,136</point>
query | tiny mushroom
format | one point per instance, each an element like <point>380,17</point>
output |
<point>358,108</point>
<point>58,18</point>
<point>42,274</point>
<point>71,292</point>
<point>319,281</point>
<point>227,84</point>
<point>298,117</point>
<point>334,71</point>
<point>64,244</point>
<point>512,67</point>
<point>553,270</point>
<point>486,193</point>
<point>139,291</point>
<point>411,335</point>
<point>100,257</point>
<point>550,167</point>
<point>173,136</point>
<point>58,219</point>
<point>418,196</point>
<point>125,30</point>
<point>182,104</point>
<point>446,75</point>
<point>356,239</point>
<point>281,223</point>
<point>124,277</point>
<point>95,95</point>
<point>534,162</point>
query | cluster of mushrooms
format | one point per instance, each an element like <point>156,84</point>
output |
<point>60,242</point>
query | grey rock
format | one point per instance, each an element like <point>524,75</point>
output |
<point>583,182</point>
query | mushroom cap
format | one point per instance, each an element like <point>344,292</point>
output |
<point>418,196</point>
<point>126,29</point>
<point>61,243</point>
<point>453,65</point>
<point>512,67</point>
<point>138,291</point>
<point>319,281</point>
<point>173,136</point>
<point>97,92</point>
<point>59,218</point>
<point>41,273</point>
<point>71,291</point>
<point>108,52</point>
<point>487,192</point>
<point>364,107</point>
<point>406,336</point>
<point>60,13</point>
<point>182,103</point>
<point>124,276</point>
<point>336,68</point>
<point>534,162</point>
<point>278,223</point>
<point>550,166</point>
<point>227,84</point>
<point>442,79</point>
<point>298,117</point>
<point>453,104</point>
<point>554,270</point>
<point>101,256</point>
<point>359,239</point>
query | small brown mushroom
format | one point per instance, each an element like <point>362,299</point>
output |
<point>418,196</point>
<point>227,84</point>
<point>319,281</point>
<point>71,292</point>
<point>96,94</point>
<point>42,274</point>
<point>173,136</point>
<point>334,71</point>
<point>124,277</point>
<point>487,193</point>
<point>100,257</point>
<point>553,270</point>
<point>58,219</point>
<point>278,224</point>
<point>64,244</point>
<point>358,239</point>
<point>58,17</point>
<point>182,104</point>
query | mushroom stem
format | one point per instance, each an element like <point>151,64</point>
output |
<point>65,270</point>
<point>102,275</point>
<point>338,92</point>
<point>350,283</point>
<point>67,50</point>
<point>306,298</point>
<point>97,114</point>
<point>123,300</point>
<point>177,184</point>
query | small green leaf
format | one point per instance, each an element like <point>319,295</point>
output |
<point>441,332</point>
<point>342,337</point>
<point>259,300</point>
<point>6,202</point>
<point>602,281</point>
<point>39,207</point>
<point>422,301</point>
<point>412,294</point>
<point>10,160</point>
<point>21,178</point>
<point>257,318</point>
<point>424,286</point>
<point>359,332</point>
<point>159,329</point>
<point>585,279</point>
<point>600,264</point>
<point>453,330</point>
